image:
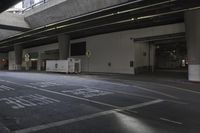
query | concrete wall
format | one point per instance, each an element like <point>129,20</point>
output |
<point>114,48</point>
<point>58,10</point>
<point>14,20</point>
<point>118,49</point>
<point>11,19</point>
<point>11,60</point>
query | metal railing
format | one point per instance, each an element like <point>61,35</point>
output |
<point>35,5</point>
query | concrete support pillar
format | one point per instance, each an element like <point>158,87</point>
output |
<point>192,22</point>
<point>18,57</point>
<point>39,65</point>
<point>64,46</point>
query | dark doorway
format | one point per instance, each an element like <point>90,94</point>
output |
<point>171,56</point>
<point>34,64</point>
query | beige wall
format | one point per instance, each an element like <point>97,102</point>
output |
<point>117,48</point>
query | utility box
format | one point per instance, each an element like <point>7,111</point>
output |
<point>67,66</point>
<point>74,65</point>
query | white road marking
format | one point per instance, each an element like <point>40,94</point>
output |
<point>5,81</point>
<point>143,96</point>
<point>86,117</point>
<point>176,102</point>
<point>87,92</point>
<point>114,83</point>
<point>125,85</point>
<point>45,84</point>
<point>41,127</point>
<point>171,121</point>
<point>169,86</point>
<point>63,94</point>
<point>150,97</point>
<point>139,87</point>
<point>126,93</point>
<point>182,89</point>
<point>21,102</point>
<point>142,88</point>
<point>6,88</point>
<point>160,93</point>
<point>156,92</point>
<point>142,104</point>
<point>164,85</point>
<point>71,96</point>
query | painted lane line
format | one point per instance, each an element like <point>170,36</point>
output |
<point>1,80</point>
<point>21,102</point>
<point>125,85</point>
<point>150,97</point>
<point>6,87</point>
<point>164,85</point>
<point>138,87</point>
<point>124,93</point>
<point>156,92</point>
<point>170,86</point>
<point>176,102</point>
<point>61,123</point>
<point>142,88</point>
<point>71,96</point>
<point>171,121</point>
<point>182,89</point>
<point>79,98</point>
<point>86,117</point>
<point>144,96</point>
<point>142,104</point>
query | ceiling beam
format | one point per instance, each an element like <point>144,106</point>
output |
<point>13,28</point>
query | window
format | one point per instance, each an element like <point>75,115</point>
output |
<point>78,49</point>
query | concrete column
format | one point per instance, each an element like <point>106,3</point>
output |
<point>64,46</point>
<point>39,63</point>
<point>18,57</point>
<point>192,22</point>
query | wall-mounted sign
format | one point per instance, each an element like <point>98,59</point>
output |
<point>88,53</point>
<point>27,57</point>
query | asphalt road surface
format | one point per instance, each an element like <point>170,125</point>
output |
<point>58,103</point>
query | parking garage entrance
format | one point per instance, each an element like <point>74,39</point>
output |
<point>34,61</point>
<point>166,52</point>
<point>172,56</point>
